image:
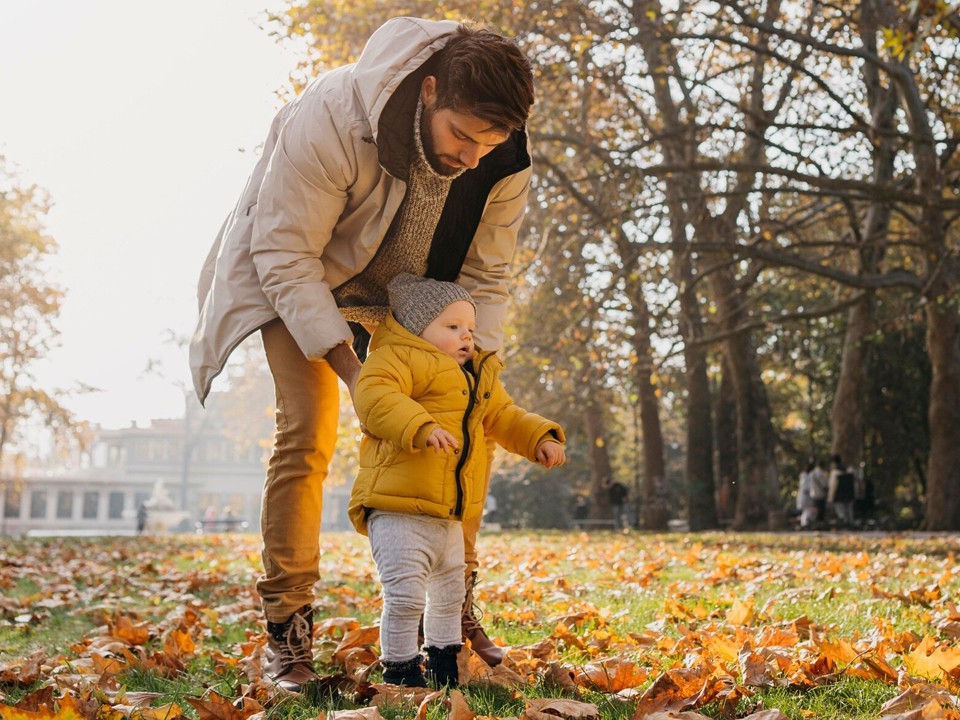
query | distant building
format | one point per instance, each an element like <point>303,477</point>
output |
<point>123,469</point>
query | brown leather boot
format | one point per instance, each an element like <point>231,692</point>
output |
<point>470,623</point>
<point>290,651</point>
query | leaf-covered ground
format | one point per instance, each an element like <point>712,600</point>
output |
<point>619,627</point>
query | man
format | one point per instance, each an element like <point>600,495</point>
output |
<point>413,159</point>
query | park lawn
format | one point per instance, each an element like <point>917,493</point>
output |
<point>616,626</point>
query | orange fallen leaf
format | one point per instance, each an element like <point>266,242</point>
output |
<point>770,714</point>
<point>364,638</point>
<point>921,702</point>
<point>123,628</point>
<point>216,708</point>
<point>929,661</point>
<point>755,670</point>
<point>550,708</point>
<point>38,699</point>
<point>613,674</point>
<point>367,713</point>
<point>66,709</point>
<point>387,694</point>
<point>741,613</point>
<point>22,672</point>
<point>673,691</point>
<point>561,676</point>
<point>459,710</point>
<point>336,626</point>
<point>179,644</point>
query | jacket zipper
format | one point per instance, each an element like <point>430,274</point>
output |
<point>458,508</point>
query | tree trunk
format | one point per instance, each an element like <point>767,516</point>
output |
<point>601,472</point>
<point>943,345</point>
<point>701,500</point>
<point>655,512</point>
<point>758,497</point>
<point>728,469</point>
<point>758,502</point>
<point>698,469</point>
<point>943,322</point>
<point>684,199</point>
<point>846,416</point>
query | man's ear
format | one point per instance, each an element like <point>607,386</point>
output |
<point>428,91</point>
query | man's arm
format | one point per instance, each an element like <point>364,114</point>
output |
<point>300,200</point>
<point>345,364</point>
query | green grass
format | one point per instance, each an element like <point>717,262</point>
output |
<point>668,590</point>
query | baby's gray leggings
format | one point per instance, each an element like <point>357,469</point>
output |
<point>420,562</point>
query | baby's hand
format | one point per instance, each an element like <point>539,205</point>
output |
<point>441,441</point>
<point>551,454</point>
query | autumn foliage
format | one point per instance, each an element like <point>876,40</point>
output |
<point>604,625</point>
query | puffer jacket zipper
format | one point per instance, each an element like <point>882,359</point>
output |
<point>465,451</point>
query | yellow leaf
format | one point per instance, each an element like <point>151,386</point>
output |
<point>931,662</point>
<point>741,613</point>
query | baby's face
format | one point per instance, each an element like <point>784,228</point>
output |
<point>452,331</point>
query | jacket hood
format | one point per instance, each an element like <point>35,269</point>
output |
<point>394,51</point>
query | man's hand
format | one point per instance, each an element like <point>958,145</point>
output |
<point>551,454</point>
<point>441,441</point>
<point>346,365</point>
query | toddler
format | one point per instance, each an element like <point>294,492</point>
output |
<point>428,399</point>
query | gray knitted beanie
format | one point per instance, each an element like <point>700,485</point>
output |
<point>416,301</point>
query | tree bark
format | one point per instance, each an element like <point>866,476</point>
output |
<point>601,471</point>
<point>684,201</point>
<point>758,503</point>
<point>655,512</point>
<point>943,345</point>
<point>846,416</point>
<point>728,469</point>
<point>701,495</point>
<point>943,320</point>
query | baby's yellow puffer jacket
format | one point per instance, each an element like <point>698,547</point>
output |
<point>406,387</point>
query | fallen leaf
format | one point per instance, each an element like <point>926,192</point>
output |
<point>336,626</point>
<point>22,672</point>
<point>549,708</point>
<point>367,713</point>
<point>920,702</point>
<point>741,613</point>
<point>387,694</point>
<point>673,691</point>
<point>217,708</point>
<point>66,709</point>
<point>459,710</point>
<point>613,674</point>
<point>561,676</point>
<point>929,661</point>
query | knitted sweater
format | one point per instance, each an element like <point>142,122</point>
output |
<point>363,299</point>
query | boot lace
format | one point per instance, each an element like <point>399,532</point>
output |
<point>472,612</point>
<point>297,643</point>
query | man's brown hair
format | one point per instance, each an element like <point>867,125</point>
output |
<point>485,75</point>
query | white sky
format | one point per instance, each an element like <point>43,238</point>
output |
<point>133,115</point>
